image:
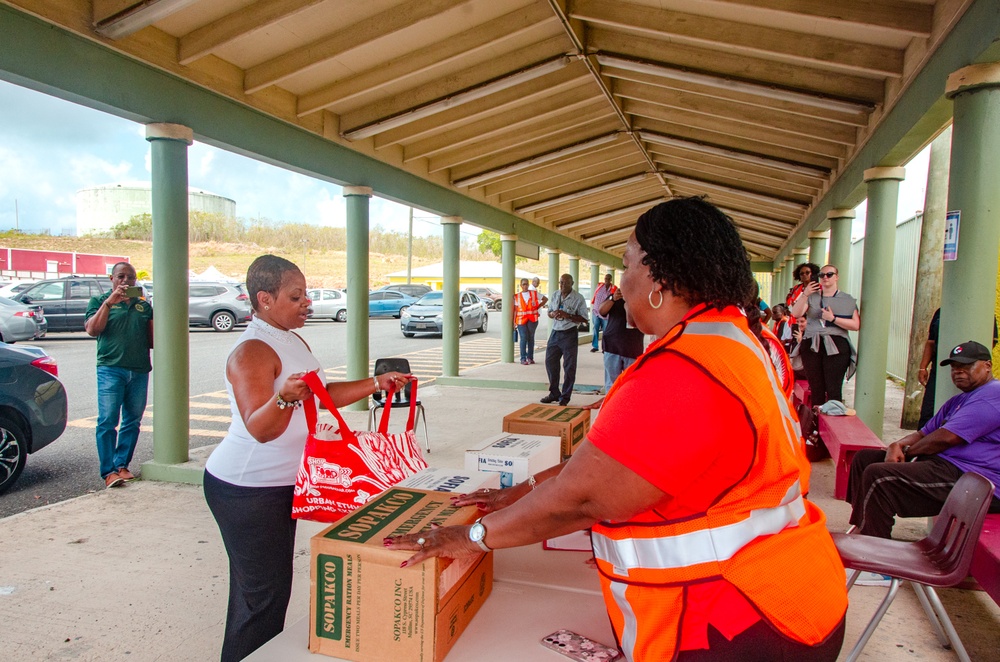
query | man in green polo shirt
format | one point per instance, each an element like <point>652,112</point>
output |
<point>123,326</point>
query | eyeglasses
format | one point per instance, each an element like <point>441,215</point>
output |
<point>827,274</point>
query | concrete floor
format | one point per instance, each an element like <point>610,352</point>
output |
<point>140,574</point>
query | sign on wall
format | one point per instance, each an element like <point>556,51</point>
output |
<point>952,221</point>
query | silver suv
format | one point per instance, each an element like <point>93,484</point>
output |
<point>221,306</point>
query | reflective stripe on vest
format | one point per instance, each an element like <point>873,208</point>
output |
<point>702,546</point>
<point>525,311</point>
<point>630,627</point>
<point>727,330</point>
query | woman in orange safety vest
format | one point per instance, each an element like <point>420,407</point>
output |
<point>691,476</point>
<point>526,305</point>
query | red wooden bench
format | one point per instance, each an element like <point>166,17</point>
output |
<point>844,436</point>
<point>800,393</point>
<point>986,559</point>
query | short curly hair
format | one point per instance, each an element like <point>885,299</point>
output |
<point>694,251</point>
<point>814,269</point>
<point>265,275</point>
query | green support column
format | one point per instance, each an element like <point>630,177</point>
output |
<point>817,247</point>
<point>553,285</point>
<point>171,386</point>
<point>776,294</point>
<point>789,280</point>
<point>968,289</point>
<point>451,268</point>
<point>507,254</point>
<point>841,221</point>
<point>574,271</point>
<point>357,286</point>
<point>876,294</point>
<point>595,277</point>
<point>927,293</point>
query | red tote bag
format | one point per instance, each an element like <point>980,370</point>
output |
<point>342,470</point>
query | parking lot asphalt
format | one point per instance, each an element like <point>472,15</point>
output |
<point>140,574</point>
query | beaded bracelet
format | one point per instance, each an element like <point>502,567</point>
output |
<point>284,404</point>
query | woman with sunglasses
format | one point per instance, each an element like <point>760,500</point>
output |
<point>805,273</point>
<point>826,351</point>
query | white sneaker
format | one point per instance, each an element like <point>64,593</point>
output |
<point>871,579</point>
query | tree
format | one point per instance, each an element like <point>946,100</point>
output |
<point>489,242</point>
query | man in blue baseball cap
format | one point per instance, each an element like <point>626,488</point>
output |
<point>963,436</point>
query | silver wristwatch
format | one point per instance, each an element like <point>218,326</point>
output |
<point>476,534</point>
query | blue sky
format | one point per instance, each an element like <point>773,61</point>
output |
<point>50,149</point>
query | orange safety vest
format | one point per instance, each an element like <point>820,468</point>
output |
<point>751,535</point>
<point>786,377</point>
<point>525,311</point>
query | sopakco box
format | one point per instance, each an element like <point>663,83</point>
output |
<point>568,423</point>
<point>513,456</point>
<point>441,479</point>
<point>365,607</point>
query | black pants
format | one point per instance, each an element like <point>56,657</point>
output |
<point>762,643</point>
<point>927,405</point>
<point>879,491</point>
<point>563,345</point>
<point>825,372</point>
<point>259,534</point>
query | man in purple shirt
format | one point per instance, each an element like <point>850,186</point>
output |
<point>963,436</point>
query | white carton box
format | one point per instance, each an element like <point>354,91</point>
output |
<point>514,456</point>
<point>441,479</point>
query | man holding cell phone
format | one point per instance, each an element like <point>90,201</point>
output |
<point>122,322</point>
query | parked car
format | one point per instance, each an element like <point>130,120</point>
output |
<point>411,289</point>
<point>221,306</point>
<point>489,296</point>
<point>21,322</point>
<point>64,300</point>
<point>32,407</point>
<point>382,303</point>
<point>328,304</point>
<point>14,287</point>
<point>425,316</point>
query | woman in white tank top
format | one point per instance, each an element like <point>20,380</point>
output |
<point>250,476</point>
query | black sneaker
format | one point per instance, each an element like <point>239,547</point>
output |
<point>548,399</point>
<point>593,349</point>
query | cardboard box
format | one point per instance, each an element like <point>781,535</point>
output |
<point>439,479</point>
<point>570,424</point>
<point>364,607</point>
<point>513,456</point>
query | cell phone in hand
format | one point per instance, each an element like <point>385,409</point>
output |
<point>580,648</point>
<point>133,292</point>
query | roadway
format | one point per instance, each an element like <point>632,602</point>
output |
<point>68,467</point>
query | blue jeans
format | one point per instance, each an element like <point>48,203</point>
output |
<point>120,392</point>
<point>597,323</point>
<point>614,365</point>
<point>526,334</point>
<point>562,345</point>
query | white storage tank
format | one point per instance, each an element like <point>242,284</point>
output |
<point>99,208</point>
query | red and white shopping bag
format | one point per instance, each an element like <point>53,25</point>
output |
<point>342,469</point>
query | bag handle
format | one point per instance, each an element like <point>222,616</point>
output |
<point>383,425</point>
<point>309,406</point>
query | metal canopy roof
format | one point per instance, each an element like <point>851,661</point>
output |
<point>575,115</point>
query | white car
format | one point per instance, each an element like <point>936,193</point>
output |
<point>11,288</point>
<point>328,304</point>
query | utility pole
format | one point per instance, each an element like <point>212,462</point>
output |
<point>409,250</point>
<point>17,221</point>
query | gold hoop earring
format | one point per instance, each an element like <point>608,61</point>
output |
<point>650,297</point>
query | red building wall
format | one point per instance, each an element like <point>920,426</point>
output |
<point>34,263</point>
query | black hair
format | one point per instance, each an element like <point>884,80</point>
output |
<point>265,275</point>
<point>693,249</point>
<point>118,264</point>
<point>810,265</point>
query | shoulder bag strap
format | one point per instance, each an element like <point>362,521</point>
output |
<point>309,405</point>
<point>383,425</point>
